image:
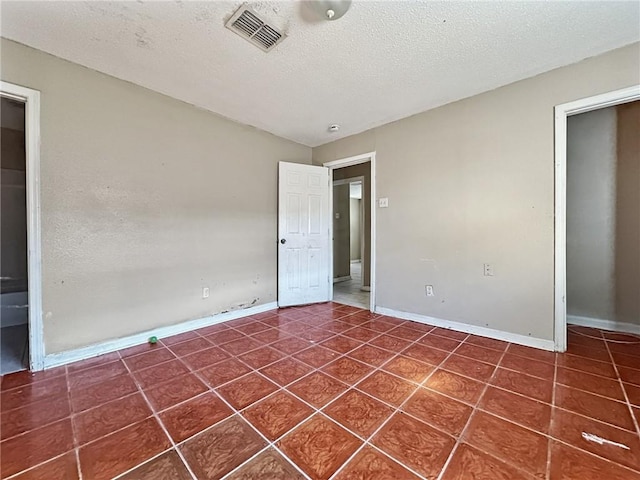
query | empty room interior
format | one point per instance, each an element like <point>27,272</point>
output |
<point>320,240</point>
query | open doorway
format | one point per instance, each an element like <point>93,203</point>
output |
<point>14,285</point>
<point>351,241</point>
<point>603,218</point>
<point>353,220</point>
<point>598,217</point>
<point>20,241</point>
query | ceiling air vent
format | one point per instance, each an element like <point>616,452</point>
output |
<point>248,24</point>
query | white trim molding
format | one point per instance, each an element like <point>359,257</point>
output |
<point>31,99</point>
<point>603,324</point>
<point>62,358</point>
<point>563,111</point>
<point>347,162</point>
<point>473,329</point>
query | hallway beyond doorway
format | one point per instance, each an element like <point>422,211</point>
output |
<point>349,292</point>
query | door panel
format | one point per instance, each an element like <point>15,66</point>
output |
<point>303,234</point>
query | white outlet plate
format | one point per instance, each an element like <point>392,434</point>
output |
<point>488,270</point>
<point>206,292</point>
<point>428,290</point>
<point>383,202</point>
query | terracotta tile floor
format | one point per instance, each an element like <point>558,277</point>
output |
<point>330,391</point>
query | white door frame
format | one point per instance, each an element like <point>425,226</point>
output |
<point>347,162</point>
<point>563,111</point>
<point>31,98</point>
<point>349,181</point>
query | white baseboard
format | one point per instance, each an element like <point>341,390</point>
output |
<point>604,324</point>
<point>473,329</point>
<point>341,279</point>
<point>62,358</point>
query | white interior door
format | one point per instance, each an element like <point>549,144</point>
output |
<point>303,234</point>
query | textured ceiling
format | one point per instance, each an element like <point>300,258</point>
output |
<point>381,62</point>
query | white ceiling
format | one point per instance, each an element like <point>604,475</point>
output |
<point>381,62</point>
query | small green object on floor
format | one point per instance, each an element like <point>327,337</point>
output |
<point>153,340</point>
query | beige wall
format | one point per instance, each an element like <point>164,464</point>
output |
<point>354,228</point>
<point>145,200</point>
<point>627,258</point>
<point>361,170</point>
<point>341,263</point>
<point>472,182</point>
<point>591,214</point>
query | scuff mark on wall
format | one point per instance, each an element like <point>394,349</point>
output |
<point>240,306</point>
<point>141,38</point>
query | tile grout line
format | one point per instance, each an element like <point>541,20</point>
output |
<point>351,385</point>
<point>365,443</point>
<point>237,412</point>
<point>314,344</point>
<point>476,409</point>
<point>76,443</point>
<point>145,462</point>
<point>316,410</point>
<point>399,407</point>
<point>270,444</point>
<point>234,410</point>
<point>374,369</point>
<point>396,354</point>
<point>621,383</point>
<point>596,394</point>
<point>479,408</point>
<point>473,413</point>
<point>358,347</point>
<point>114,431</point>
<point>30,469</point>
<point>552,418</point>
<point>168,346</point>
<point>162,426</point>
<point>73,435</point>
<point>256,455</point>
<point>551,438</point>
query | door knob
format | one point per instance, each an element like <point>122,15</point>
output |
<point>283,241</point>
